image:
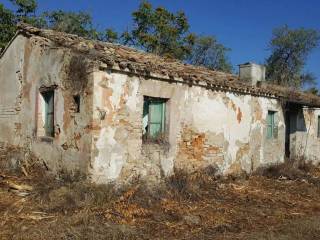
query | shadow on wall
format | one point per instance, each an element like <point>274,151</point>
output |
<point>295,122</point>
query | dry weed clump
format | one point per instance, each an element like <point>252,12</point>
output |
<point>290,170</point>
<point>189,185</point>
<point>62,197</point>
<point>198,205</point>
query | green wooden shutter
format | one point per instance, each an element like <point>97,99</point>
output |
<point>269,125</point>
<point>272,125</point>
<point>275,125</point>
<point>49,113</point>
<point>156,118</point>
<point>318,126</point>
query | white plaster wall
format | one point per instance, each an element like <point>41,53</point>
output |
<point>27,65</point>
<point>239,120</point>
<point>305,144</point>
<point>116,119</point>
<point>11,70</point>
<point>216,113</point>
<point>204,127</point>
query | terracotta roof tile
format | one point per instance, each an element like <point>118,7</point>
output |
<point>142,63</point>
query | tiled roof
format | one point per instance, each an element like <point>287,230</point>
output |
<point>122,58</point>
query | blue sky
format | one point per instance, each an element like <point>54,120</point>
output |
<point>245,26</point>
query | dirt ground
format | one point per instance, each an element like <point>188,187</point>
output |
<point>276,203</point>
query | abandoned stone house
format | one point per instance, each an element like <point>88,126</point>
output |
<point>115,113</point>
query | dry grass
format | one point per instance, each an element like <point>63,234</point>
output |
<point>281,202</point>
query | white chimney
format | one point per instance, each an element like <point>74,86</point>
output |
<point>252,73</point>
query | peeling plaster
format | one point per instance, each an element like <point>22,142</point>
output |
<point>132,100</point>
<point>200,113</point>
<point>203,127</point>
<point>109,161</point>
<point>167,166</point>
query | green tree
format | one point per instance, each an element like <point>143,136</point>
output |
<point>79,23</point>
<point>289,51</point>
<point>26,12</point>
<point>25,8</point>
<point>160,31</point>
<point>313,90</point>
<point>110,36</point>
<point>155,30</point>
<point>208,52</point>
<point>7,26</point>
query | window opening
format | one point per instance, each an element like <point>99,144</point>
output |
<point>48,98</point>
<point>154,117</point>
<point>76,99</point>
<point>272,127</point>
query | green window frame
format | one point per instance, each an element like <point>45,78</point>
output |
<point>154,117</point>
<point>272,126</point>
<point>48,98</point>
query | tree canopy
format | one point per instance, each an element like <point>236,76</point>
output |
<point>25,12</point>
<point>155,30</point>
<point>161,32</point>
<point>289,51</point>
<point>207,51</point>
<point>7,26</point>
<point>79,23</point>
<point>110,36</point>
<point>25,8</point>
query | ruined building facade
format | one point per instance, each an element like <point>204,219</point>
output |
<point>115,113</point>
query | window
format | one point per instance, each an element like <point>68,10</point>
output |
<point>318,127</point>
<point>76,99</point>
<point>272,127</point>
<point>154,117</point>
<point>48,98</point>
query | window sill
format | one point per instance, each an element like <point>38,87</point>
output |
<point>156,142</point>
<point>272,139</point>
<point>46,139</point>
<point>156,146</point>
